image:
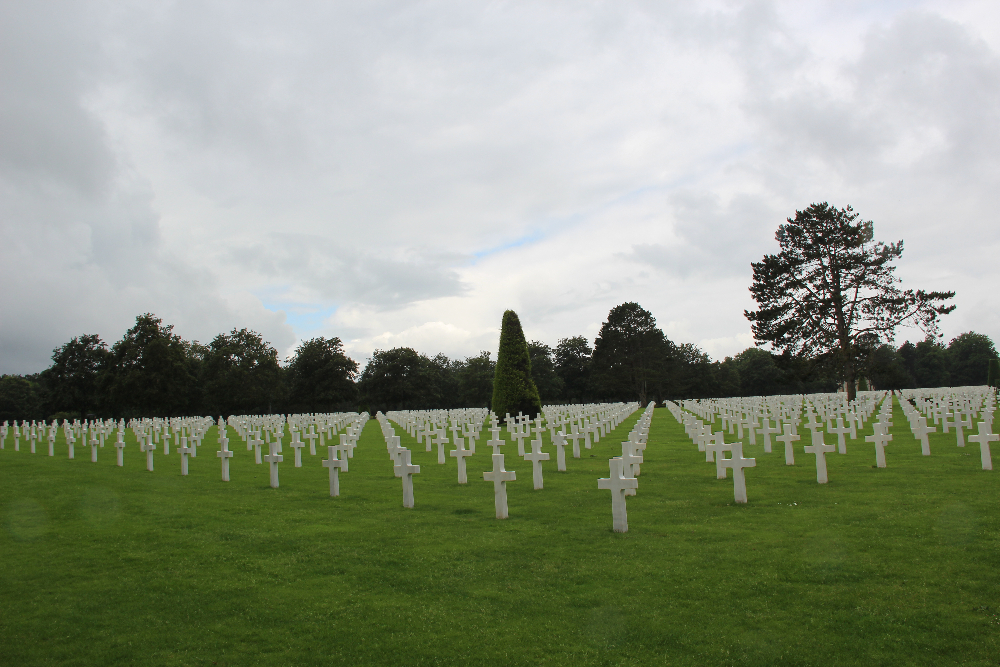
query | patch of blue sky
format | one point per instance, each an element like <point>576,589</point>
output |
<point>533,237</point>
<point>302,316</point>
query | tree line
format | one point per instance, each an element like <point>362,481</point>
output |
<point>152,371</point>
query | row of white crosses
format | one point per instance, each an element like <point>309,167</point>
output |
<point>402,465</point>
<point>596,420</point>
<point>93,432</point>
<point>956,408</point>
<point>624,470</point>
<point>188,433</point>
<point>466,424</point>
<point>942,404</point>
<point>787,413</point>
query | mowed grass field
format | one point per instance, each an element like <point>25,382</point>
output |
<point>118,566</point>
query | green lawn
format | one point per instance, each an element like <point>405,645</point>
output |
<point>102,565</point>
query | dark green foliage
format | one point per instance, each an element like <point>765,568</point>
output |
<point>514,390</point>
<point>441,384</point>
<point>21,398</point>
<point>73,377</point>
<point>150,373</point>
<point>885,368</point>
<point>403,379</point>
<point>832,284</point>
<point>728,377</point>
<point>543,372</point>
<point>969,357</point>
<point>993,379</point>
<point>476,381</point>
<point>321,377</point>
<point>241,374</point>
<point>572,365</point>
<point>630,354</point>
<point>759,375</point>
<point>393,380</point>
<point>690,374</point>
<point>931,367</point>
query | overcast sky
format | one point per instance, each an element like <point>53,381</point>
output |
<point>400,173</point>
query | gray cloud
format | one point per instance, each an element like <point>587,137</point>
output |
<point>711,238</point>
<point>214,163</point>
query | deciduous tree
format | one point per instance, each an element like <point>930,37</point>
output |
<point>321,376</point>
<point>572,362</point>
<point>241,374</point>
<point>73,377</point>
<point>629,354</point>
<point>149,371</point>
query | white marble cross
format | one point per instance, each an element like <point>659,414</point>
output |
<point>149,447</point>
<point>224,454</point>
<point>94,442</point>
<point>984,438</point>
<point>334,464</point>
<point>495,442</point>
<point>441,441</point>
<point>711,444</point>
<point>717,448</point>
<point>820,449</point>
<point>185,451</point>
<point>738,463</point>
<point>559,442</point>
<point>841,431</point>
<point>406,471</point>
<point>460,453</point>
<point>788,438</point>
<point>520,433</point>
<point>630,462</point>
<point>394,448</point>
<point>120,446</point>
<point>881,438</point>
<point>536,456</point>
<point>311,437</point>
<point>920,431</point>
<point>959,433</point>
<point>766,431</point>
<point>297,445</point>
<point>343,449</point>
<point>273,459</point>
<point>574,437</point>
<point>500,477</point>
<point>617,483</point>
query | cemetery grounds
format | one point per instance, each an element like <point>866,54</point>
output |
<point>894,566</point>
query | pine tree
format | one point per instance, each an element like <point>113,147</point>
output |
<point>513,389</point>
<point>833,286</point>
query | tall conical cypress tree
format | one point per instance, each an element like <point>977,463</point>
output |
<point>993,373</point>
<point>513,389</point>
